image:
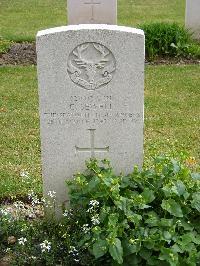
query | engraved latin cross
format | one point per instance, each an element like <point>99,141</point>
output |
<point>92,149</point>
<point>92,3</point>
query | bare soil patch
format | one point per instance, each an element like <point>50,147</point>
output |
<point>174,61</point>
<point>19,54</point>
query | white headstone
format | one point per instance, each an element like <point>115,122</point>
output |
<point>91,83</point>
<point>192,19</point>
<point>92,12</point>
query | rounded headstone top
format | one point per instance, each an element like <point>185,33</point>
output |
<point>90,27</point>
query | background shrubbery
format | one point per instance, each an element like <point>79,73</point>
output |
<point>165,39</point>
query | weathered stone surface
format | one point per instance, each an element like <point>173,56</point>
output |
<point>92,12</point>
<point>192,18</point>
<point>91,82</point>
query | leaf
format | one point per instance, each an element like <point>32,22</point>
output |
<point>187,226</point>
<point>92,184</point>
<point>176,166</point>
<point>166,222</point>
<point>187,238</point>
<point>167,191</point>
<point>179,188</point>
<point>196,176</point>
<point>167,235</point>
<point>153,260</point>
<point>195,203</point>
<point>186,241</point>
<point>123,204</point>
<point>152,220</point>
<point>130,248</point>
<point>196,240</point>
<point>149,244</point>
<point>172,207</point>
<point>177,249</point>
<point>125,182</point>
<point>116,251</point>
<point>169,255</point>
<point>113,220</point>
<point>134,217</point>
<point>190,247</point>
<point>107,181</point>
<point>132,260</point>
<point>100,248</point>
<point>143,206</point>
<point>145,253</point>
<point>186,195</point>
<point>148,195</point>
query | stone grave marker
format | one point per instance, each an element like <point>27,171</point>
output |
<point>92,12</point>
<point>91,82</point>
<point>192,18</point>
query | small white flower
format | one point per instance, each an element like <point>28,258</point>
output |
<point>22,241</point>
<point>33,198</point>
<point>48,203</point>
<point>19,205</point>
<point>94,203</point>
<point>33,257</point>
<point>73,249</point>
<point>31,194</point>
<point>86,228</point>
<point>51,194</point>
<point>43,200</point>
<point>4,212</point>
<point>67,213</point>
<point>45,246</point>
<point>95,219</point>
<point>74,252</point>
<point>24,174</point>
<point>90,210</point>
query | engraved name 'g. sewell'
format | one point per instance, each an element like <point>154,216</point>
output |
<point>91,65</point>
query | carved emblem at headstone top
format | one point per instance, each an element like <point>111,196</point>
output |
<point>91,65</point>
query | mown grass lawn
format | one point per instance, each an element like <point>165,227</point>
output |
<point>21,19</point>
<point>172,121</point>
<point>19,126</point>
<point>172,109</point>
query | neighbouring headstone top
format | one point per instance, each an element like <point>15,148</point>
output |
<point>92,12</point>
<point>91,85</point>
<point>192,19</point>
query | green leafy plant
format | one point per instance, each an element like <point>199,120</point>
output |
<point>165,39</point>
<point>149,217</point>
<point>194,50</point>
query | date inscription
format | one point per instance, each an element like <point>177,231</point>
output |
<point>80,110</point>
